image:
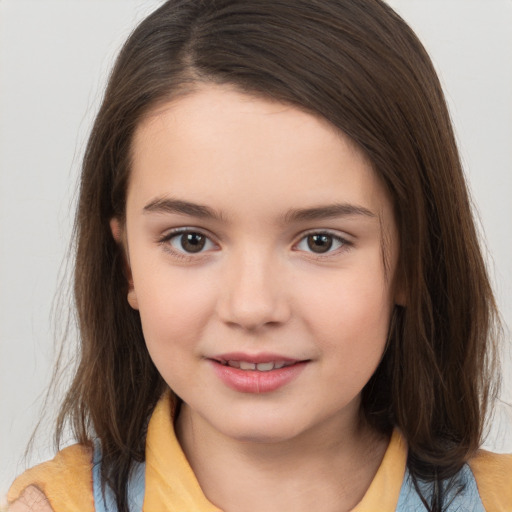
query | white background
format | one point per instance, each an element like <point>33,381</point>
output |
<point>54,57</point>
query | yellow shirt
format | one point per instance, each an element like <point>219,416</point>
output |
<point>171,485</point>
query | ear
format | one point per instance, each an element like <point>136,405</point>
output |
<point>399,296</point>
<point>119,236</point>
<point>117,231</point>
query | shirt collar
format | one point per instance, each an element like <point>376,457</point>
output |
<point>171,483</point>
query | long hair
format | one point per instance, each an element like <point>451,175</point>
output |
<point>357,64</point>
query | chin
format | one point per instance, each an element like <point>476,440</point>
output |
<point>264,431</point>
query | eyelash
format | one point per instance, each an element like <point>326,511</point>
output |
<point>175,233</point>
<point>344,244</point>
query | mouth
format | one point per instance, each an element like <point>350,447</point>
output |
<point>261,373</point>
<point>259,367</point>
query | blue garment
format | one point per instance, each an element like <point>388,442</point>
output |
<point>104,498</point>
<point>462,496</point>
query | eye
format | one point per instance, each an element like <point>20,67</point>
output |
<point>321,243</point>
<point>188,241</point>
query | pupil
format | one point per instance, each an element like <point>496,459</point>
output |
<point>319,243</point>
<point>192,242</point>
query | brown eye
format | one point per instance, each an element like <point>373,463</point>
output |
<point>190,242</point>
<point>320,243</point>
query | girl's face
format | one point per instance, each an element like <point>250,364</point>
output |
<point>256,236</point>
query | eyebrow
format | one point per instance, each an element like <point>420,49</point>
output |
<point>326,212</point>
<point>170,205</point>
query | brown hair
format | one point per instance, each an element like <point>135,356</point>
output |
<point>357,64</point>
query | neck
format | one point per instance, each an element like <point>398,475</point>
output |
<point>326,470</point>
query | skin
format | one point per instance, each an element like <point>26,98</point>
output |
<point>31,500</point>
<point>259,284</point>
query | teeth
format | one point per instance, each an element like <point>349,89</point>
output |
<point>247,366</point>
<point>261,367</point>
<point>265,367</point>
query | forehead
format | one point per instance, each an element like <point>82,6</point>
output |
<point>246,154</point>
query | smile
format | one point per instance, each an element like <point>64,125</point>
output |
<point>260,367</point>
<point>261,373</point>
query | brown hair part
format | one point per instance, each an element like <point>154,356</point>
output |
<point>357,64</point>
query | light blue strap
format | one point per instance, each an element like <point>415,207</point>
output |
<point>104,501</point>
<point>467,500</point>
<point>136,487</point>
<point>99,501</point>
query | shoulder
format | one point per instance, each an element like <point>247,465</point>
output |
<point>493,475</point>
<point>55,485</point>
<point>31,499</point>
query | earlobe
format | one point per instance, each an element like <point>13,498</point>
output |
<point>132,296</point>
<point>400,297</point>
<point>118,234</point>
<point>115,228</point>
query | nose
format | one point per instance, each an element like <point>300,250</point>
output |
<point>253,293</point>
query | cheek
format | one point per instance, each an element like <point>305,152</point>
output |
<point>174,318</point>
<point>174,306</point>
<point>349,313</point>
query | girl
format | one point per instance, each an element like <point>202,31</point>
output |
<point>281,298</point>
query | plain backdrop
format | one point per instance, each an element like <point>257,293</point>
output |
<point>54,59</point>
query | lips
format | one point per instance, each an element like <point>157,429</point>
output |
<point>260,367</point>
<point>261,373</point>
